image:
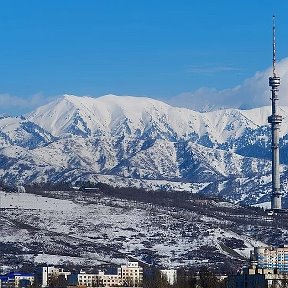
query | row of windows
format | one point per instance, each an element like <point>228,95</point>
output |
<point>273,256</point>
<point>273,263</point>
<point>273,267</point>
<point>113,282</point>
<point>96,276</point>
<point>104,280</point>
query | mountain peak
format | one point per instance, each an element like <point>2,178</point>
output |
<point>125,115</point>
<point>97,113</point>
<point>141,138</point>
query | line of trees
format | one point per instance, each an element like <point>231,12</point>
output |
<point>186,278</point>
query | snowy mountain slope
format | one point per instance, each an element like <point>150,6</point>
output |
<point>163,160</point>
<point>78,138</point>
<point>141,143</point>
<point>118,115</point>
<point>244,131</point>
<point>94,228</point>
<point>21,132</point>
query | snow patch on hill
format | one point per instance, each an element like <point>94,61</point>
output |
<point>32,201</point>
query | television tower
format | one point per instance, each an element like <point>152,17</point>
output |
<point>275,121</point>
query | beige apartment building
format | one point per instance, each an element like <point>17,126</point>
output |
<point>127,275</point>
<point>272,257</point>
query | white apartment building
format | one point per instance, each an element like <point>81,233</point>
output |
<point>48,272</point>
<point>87,279</point>
<point>132,274</point>
<point>127,275</point>
<point>100,279</point>
<point>170,274</point>
<point>272,257</point>
<point>110,280</point>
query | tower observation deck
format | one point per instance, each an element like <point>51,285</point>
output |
<point>275,121</point>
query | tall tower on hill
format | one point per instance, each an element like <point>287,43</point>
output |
<point>275,121</point>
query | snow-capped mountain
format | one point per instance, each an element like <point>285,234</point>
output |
<point>143,142</point>
<point>21,132</point>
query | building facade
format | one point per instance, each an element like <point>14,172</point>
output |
<point>170,274</point>
<point>253,277</point>
<point>99,279</point>
<point>49,272</point>
<point>132,274</point>
<point>87,279</point>
<point>126,275</point>
<point>271,257</point>
<point>16,279</point>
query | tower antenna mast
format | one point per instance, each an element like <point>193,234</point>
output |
<point>275,121</point>
<point>274,48</point>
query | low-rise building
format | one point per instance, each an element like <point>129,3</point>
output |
<point>110,280</point>
<point>50,272</point>
<point>254,277</point>
<point>126,275</point>
<point>87,279</point>
<point>100,279</point>
<point>170,275</point>
<point>16,279</point>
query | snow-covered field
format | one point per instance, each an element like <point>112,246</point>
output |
<point>90,228</point>
<point>28,201</point>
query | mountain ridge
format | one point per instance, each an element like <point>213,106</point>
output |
<point>145,139</point>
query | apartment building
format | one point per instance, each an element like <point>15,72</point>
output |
<point>48,272</point>
<point>170,275</point>
<point>253,277</point>
<point>99,279</point>
<point>132,274</point>
<point>271,257</point>
<point>16,279</point>
<point>126,275</point>
<point>88,279</point>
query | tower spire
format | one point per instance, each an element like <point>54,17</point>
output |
<point>275,121</point>
<point>274,48</point>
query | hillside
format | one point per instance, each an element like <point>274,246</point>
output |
<point>106,225</point>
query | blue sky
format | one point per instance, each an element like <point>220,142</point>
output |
<point>154,48</point>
